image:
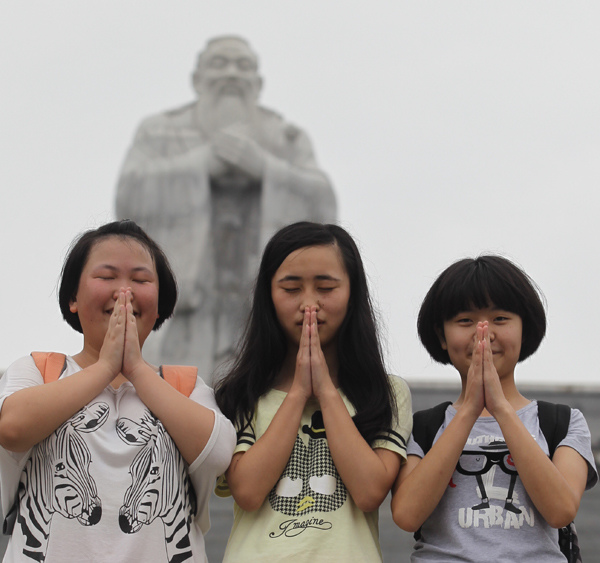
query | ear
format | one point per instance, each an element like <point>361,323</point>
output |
<point>258,86</point>
<point>196,82</point>
<point>440,334</point>
<point>73,306</point>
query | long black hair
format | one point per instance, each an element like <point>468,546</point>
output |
<point>361,373</point>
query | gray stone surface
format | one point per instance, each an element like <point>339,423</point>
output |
<point>211,181</point>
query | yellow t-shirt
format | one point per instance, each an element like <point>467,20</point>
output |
<point>309,515</point>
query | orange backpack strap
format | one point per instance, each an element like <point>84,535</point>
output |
<point>182,378</point>
<point>50,364</point>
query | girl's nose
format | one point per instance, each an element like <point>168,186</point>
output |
<point>310,301</point>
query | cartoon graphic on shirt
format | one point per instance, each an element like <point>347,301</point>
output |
<point>160,485</point>
<point>57,478</point>
<point>485,462</point>
<point>310,482</point>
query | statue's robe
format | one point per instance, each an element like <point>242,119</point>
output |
<point>165,187</point>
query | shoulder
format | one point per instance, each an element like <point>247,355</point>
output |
<point>173,118</point>
<point>577,435</point>
<point>273,120</point>
<point>398,384</point>
<point>401,393</point>
<point>23,369</point>
<point>432,415</point>
<point>426,425</point>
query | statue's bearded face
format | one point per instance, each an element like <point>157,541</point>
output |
<point>228,68</point>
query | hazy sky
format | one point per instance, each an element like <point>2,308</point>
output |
<point>449,129</point>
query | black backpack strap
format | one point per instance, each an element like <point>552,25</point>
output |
<point>554,423</point>
<point>426,423</point>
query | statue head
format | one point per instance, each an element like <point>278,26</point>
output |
<point>228,67</point>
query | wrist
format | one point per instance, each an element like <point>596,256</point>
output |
<point>327,393</point>
<point>108,368</point>
<point>298,394</point>
<point>502,411</point>
<point>139,372</point>
<point>468,413</point>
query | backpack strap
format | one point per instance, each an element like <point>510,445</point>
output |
<point>426,423</point>
<point>554,423</point>
<point>182,378</point>
<point>50,364</point>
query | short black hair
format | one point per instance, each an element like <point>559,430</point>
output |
<point>478,283</point>
<point>78,255</point>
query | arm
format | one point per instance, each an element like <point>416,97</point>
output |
<point>422,482</point>
<point>367,474</point>
<point>554,486</point>
<point>288,170</point>
<point>252,474</point>
<point>187,422</point>
<point>32,414</point>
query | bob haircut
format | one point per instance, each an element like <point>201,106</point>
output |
<point>78,256</point>
<point>478,283</point>
<point>362,375</point>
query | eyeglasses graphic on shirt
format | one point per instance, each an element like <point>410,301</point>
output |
<point>478,463</point>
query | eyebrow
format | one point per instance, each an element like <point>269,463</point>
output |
<point>115,269</point>
<point>321,277</point>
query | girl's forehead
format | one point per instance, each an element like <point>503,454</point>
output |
<point>313,258</point>
<point>116,248</point>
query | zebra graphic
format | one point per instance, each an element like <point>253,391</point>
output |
<point>57,478</point>
<point>160,486</point>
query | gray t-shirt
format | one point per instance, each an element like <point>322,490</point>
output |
<point>485,513</point>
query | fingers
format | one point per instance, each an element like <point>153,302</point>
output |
<point>304,348</point>
<point>315,342</point>
<point>320,376</point>
<point>302,377</point>
<point>132,354</point>
<point>112,346</point>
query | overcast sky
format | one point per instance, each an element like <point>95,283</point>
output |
<point>448,128</point>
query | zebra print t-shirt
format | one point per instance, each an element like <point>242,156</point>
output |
<point>109,484</point>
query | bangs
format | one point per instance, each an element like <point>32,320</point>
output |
<point>478,283</point>
<point>478,286</point>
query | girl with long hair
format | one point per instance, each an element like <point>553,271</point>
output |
<point>321,426</point>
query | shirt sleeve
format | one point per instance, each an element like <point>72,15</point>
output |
<point>579,438</point>
<point>396,438</point>
<point>20,374</point>
<point>216,455</point>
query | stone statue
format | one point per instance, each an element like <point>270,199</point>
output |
<point>211,181</point>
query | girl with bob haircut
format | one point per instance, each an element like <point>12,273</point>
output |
<point>105,460</point>
<point>321,426</point>
<point>482,480</point>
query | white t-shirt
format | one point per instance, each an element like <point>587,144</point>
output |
<point>109,484</point>
<point>486,513</point>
